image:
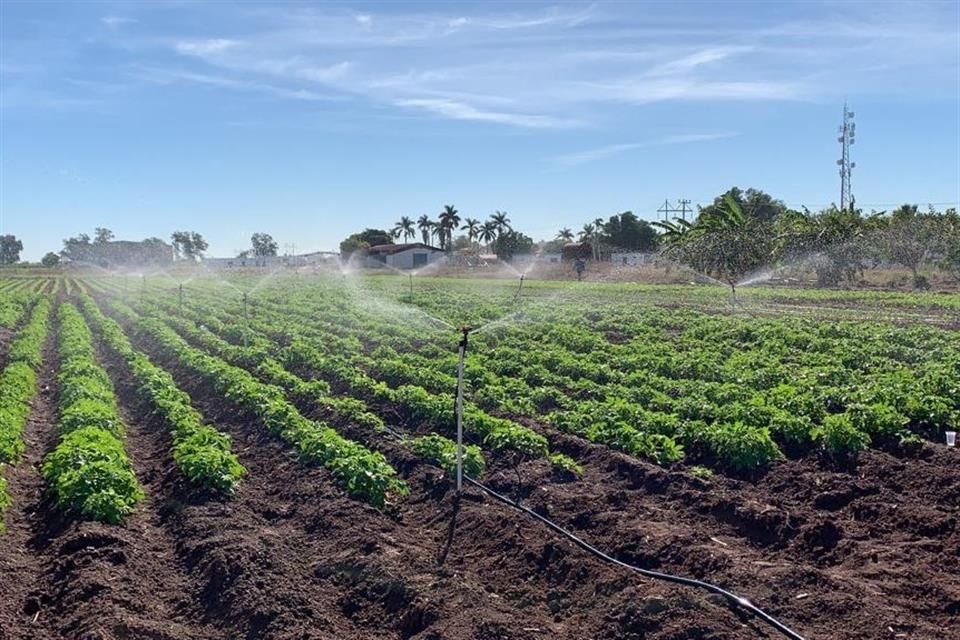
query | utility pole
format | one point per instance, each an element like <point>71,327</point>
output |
<point>848,131</point>
<point>683,209</point>
<point>667,209</point>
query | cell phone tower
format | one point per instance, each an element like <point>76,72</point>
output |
<point>848,135</point>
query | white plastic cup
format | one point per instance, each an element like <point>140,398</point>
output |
<point>951,438</point>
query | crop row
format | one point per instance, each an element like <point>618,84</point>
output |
<point>18,382</point>
<point>257,359</point>
<point>13,306</point>
<point>320,356</point>
<point>18,386</point>
<point>700,381</point>
<point>202,453</point>
<point>88,472</point>
<point>364,473</point>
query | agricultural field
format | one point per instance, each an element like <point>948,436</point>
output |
<point>252,456</point>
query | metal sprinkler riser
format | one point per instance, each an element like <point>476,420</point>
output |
<point>462,345</point>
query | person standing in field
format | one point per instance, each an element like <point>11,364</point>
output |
<point>579,265</point>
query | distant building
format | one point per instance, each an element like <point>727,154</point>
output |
<point>404,256</point>
<point>542,258</point>
<point>315,258</point>
<point>632,258</point>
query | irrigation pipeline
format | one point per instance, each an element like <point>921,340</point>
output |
<point>739,601</point>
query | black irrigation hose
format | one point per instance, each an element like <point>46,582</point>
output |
<point>732,597</point>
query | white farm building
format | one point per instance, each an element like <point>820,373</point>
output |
<point>404,256</point>
<point>632,258</point>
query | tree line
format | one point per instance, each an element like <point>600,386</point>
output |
<point>743,232</point>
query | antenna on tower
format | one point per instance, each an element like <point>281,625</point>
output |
<point>848,135</point>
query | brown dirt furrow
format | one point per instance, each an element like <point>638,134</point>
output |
<point>21,563</point>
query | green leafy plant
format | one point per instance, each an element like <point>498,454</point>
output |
<point>563,463</point>
<point>443,452</point>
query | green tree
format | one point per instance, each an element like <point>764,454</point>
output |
<point>404,227</point>
<point>426,225</point>
<point>488,233</point>
<point>501,221</point>
<point>754,203</point>
<point>263,245</point>
<point>725,244</point>
<point>472,227</point>
<point>949,248</point>
<point>449,219</point>
<point>102,235</point>
<point>626,231</point>
<point>909,238</point>
<point>77,249</point>
<point>10,248</point>
<point>565,234</point>
<point>512,243</point>
<point>51,259</point>
<point>188,245</point>
<point>360,242</point>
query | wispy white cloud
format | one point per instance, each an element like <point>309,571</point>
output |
<point>206,47</point>
<point>170,76</point>
<point>544,68</point>
<point>599,153</point>
<point>692,61</point>
<point>462,111</point>
<point>114,22</point>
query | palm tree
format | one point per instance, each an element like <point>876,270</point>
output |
<point>501,221</point>
<point>449,219</point>
<point>565,234</point>
<point>425,224</point>
<point>595,238</point>
<point>587,232</point>
<point>404,227</point>
<point>472,227</point>
<point>488,233</point>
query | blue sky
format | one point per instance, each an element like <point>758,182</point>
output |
<point>311,121</point>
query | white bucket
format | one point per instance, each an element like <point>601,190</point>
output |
<point>951,438</point>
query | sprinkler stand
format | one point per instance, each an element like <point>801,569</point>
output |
<point>463,352</point>
<point>246,320</point>
<point>516,296</point>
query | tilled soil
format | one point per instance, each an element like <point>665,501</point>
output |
<point>865,553</point>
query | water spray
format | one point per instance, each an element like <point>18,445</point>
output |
<point>180,296</point>
<point>463,352</point>
<point>143,286</point>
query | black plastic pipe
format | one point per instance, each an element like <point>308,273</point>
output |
<point>734,599</point>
